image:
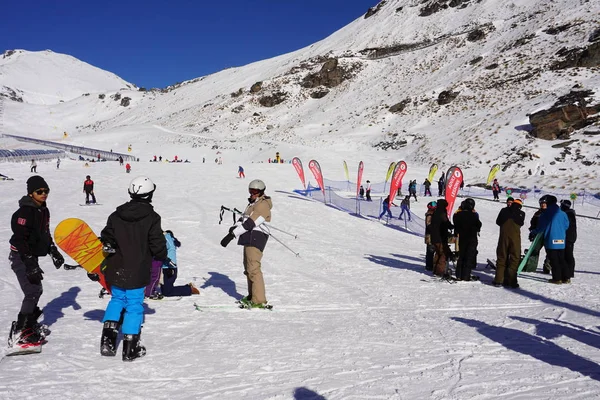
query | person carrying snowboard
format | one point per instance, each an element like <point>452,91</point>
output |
<point>30,240</point>
<point>88,189</point>
<point>131,238</point>
<point>466,226</point>
<point>253,236</point>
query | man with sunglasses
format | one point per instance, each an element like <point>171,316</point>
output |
<point>251,234</point>
<point>31,239</point>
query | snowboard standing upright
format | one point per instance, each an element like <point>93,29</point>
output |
<point>79,241</point>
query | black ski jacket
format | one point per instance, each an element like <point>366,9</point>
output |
<point>134,230</point>
<point>572,231</point>
<point>31,229</point>
<point>440,225</point>
<point>466,225</point>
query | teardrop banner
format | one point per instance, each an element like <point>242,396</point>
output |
<point>493,171</point>
<point>315,168</point>
<point>299,169</point>
<point>346,171</point>
<point>455,178</point>
<point>432,170</point>
<point>397,176</point>
<point>361,166</point>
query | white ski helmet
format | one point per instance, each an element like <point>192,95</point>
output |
<point>257,184</point>
<point>141,187</point>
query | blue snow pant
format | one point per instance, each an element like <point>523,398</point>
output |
<point>168,288</point>
<point>130,300</point>
<point>385,209</point>
<point>404,208</point>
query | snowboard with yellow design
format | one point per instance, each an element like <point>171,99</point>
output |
<point>79,241</point>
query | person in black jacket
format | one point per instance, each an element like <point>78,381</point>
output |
<point>31,239</point>
<point>439,228</point>
<point>466,226</point>
<point>131,238</point>
<point>88,189</point>
<point>565,205</point>
<point>508,253</point>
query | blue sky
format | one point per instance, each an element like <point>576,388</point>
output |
<point>155,43</point>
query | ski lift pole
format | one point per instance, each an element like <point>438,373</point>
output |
<point>284,245</point>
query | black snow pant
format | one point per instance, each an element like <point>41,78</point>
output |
<point>467,259</point>
<point>496,197</point>
<point>87,197</point>
<point>570,259</point>
<point>31,292</point>
<point>558,264</point>
<point>429,252</point>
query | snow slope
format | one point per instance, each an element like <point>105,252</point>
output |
<point>500,79</point>
<point>45,77</point>
<point>355,316</point>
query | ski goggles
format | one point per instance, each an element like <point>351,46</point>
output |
<point>254,191</point>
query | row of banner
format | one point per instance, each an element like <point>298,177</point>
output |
<point>396,171</point>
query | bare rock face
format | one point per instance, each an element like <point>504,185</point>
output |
<point>256,87</point>
<point>319,94</point>
<point>273,99</point>
<point>373,10</point>
<point>399,107</point>
<point>330,75</point>
<point>560,122</point>
<point>446,97</point>
<point>125,101</point>
<point>587,57</point>
<point>433,6</point>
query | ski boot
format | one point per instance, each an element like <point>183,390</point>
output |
<point>132,348</point>
<point>108,342</point>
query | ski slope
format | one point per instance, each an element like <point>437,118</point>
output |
<point>355,317</point>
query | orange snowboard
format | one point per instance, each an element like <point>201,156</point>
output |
<point>77,239</point>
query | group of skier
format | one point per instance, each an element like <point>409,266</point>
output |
<point>556,226</point>
<point>132,241</point>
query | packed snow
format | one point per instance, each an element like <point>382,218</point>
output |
<point>355,315</point>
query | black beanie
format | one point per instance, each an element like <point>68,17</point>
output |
<point>36,182</point>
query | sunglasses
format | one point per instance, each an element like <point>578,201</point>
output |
<point>254,191</point>
<point>40,192</point>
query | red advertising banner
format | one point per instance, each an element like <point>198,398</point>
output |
<point>361,166</point>
<point>455,178</point>
<point>299,169</point>
<point>397,177</point>
<point>315,168</point>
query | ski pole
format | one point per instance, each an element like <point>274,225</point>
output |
<point>282,231</point>
<point>283,244</point>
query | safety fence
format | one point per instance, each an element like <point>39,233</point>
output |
<point>28,155</point>
<point>86,151</point>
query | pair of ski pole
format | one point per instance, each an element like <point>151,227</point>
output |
<point>267,232</point>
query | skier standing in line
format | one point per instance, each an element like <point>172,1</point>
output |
<point>466,226</point>
<point>554,224</point>
<point>440,231</point>
<point>508,252</point>
<point>427,186</point>
<point>571,237</point>
<point>496,190</point>
<point>368,191</point>
<point>31,239</point>
<point>429,249</point>
<point>88,189</point>
<point>250,234</point>
<point>441,185</point>
<point>132,236</point>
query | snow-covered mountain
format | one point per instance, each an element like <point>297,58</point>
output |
<point>446,81</point>
<point>45,77</point>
